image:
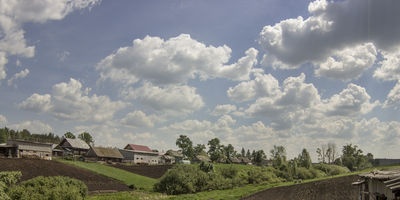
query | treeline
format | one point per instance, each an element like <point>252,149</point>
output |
<point>351,156</point>
<point>7,134</point>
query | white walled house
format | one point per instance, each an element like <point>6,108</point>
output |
<point>139,154</point>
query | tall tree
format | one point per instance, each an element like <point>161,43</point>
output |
<point>69,135</point>
<point>248,154</point>
<point>186,145</point>
<point>354,159</point>
<point>214,150</point>
<point>229,152</point>
<point>258,157</point>
<point>85,136</point>
<point>331,152</point>
<point>304,159</point>
<point>278,156</point>
<point>243,152</point>
<point>321,152</point>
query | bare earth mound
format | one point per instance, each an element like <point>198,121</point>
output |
<point>32,168</point>
<point>152,171</point>
<point>332,189</point>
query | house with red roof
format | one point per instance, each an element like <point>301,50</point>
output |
<point>139,154</point>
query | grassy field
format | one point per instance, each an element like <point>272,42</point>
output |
<point>140,182</point>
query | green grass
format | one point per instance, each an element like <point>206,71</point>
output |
<point>140,182</point>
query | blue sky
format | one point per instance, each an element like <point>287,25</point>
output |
<point>255,74</point>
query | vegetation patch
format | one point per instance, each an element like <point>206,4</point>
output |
<point>53,187</point>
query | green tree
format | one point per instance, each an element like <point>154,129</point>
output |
<point>186,145</point>
<point>248,154</point>
<point>69,135</point>
<point>243,152</point>
<point>85,136</point>
<point>258,157</point>
<point>354,159</point>
<point>215,150</point>
<point>278,156</point>
<point>199,149</point>
<point>304,159</point>
<point>229,152</point>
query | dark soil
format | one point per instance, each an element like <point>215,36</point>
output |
<point>332,189</point>
<point>152,171</point>
<point>32,168</point>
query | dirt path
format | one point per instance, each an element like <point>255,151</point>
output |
<point>31,168</point>
<point>332,189</point>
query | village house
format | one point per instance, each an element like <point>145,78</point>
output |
<point>172,157</point>
<point>104,154</point>
<point>74,146</point>
<point>139,154</point>
<point>26,149</point>
<point>379,185</point>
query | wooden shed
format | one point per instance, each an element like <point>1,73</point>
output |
<point>28,149</point>
<point>74,146</point>
<point>104,154</point>
<point>379,185</point>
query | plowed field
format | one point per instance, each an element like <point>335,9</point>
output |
<point>31,168</point>
<point>332,189</point>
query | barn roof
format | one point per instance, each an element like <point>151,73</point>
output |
<point>74,143</point>
<point>382,175</point>
<point>136,147</point>
<point>104,152</point>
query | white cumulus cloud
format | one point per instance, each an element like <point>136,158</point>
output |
<point>173,61</point>
<point>170,99</point>
<point>22,74</point>
<point>333,28</point>
<point>71,101</point>
<point>13,14</point>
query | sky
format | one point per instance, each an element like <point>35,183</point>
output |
<point>254,74</point>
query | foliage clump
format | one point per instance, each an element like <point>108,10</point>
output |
<point>44,188</point>
<point>8,179</point>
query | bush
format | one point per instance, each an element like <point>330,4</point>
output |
<point>182,179</point>
<point>44,188</point>
<point>304,173</point>
<point>331,170</point>
<point>206,167</point>
<point>229,172</point>
<point>8,179</point>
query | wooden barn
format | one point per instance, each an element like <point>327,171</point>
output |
<point>26,149</point>
<point>139,154</point>
<point>379,185</point>
<point>104,154</point>
<point>74,146</point>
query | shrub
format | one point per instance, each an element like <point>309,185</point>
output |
<point>332,170</point>
<point>43,188</point>
<point>304,173</point>
<point>8,179</point>
<point>206,167</point>
<point>256,175</point>
<point>229,172</point>
<point>182,179</point>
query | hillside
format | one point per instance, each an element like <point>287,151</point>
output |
<point>31,168</point>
